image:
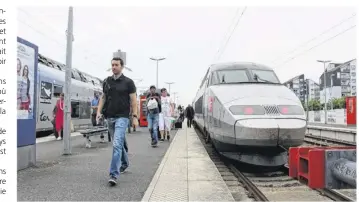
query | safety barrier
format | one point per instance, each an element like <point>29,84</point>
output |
<point>324,167</point>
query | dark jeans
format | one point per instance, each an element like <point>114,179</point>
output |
<point>189,122</point>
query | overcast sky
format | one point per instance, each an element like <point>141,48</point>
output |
<point>190,37</point>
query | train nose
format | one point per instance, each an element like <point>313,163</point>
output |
<point>269,132</point>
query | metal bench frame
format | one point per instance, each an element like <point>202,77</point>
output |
<point>87,133</point>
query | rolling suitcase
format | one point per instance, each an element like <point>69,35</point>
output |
<point>178,124</point>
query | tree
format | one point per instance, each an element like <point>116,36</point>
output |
<point>338,103</point>
<point>314,105</point>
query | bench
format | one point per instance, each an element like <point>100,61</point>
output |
<point>94,131</point>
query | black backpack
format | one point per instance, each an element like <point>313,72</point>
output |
<point>106,89</point>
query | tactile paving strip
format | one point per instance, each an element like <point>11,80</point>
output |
<point>169,191</point>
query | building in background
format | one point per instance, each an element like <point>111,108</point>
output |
<point>340,81</point>
<point>298,86</point>
<point>313,90</point>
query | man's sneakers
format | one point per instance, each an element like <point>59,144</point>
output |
<point>154,143</point>
<point>112,181</point>
<point>123,169</point>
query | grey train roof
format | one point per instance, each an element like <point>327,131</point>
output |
<point>238,65</point>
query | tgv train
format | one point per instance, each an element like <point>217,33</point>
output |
<point>51,81</point>
<point>248,115</point>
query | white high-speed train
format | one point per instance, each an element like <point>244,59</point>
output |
<point>248,115</point>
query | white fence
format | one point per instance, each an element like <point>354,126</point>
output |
<point>335,116</point>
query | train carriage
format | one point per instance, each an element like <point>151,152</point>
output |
<point>50,85</point>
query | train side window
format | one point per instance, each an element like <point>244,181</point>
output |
<point>57,90</point>
<point>85,110</point>
<point>75,107</point>
<point>198,105</point>
<point>214,79</point>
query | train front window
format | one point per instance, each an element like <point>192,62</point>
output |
<point>265,76</point>
<point>232,76</point>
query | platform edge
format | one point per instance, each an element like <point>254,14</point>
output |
<point>152,185</point>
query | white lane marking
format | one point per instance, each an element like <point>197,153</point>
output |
<point>52,138</point>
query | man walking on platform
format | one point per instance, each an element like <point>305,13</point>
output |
<point>189,115</point>
<point>153,110</point>
<point>119,92</point>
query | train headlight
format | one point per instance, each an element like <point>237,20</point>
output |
<point>247,110</point>
<point>290,110</point>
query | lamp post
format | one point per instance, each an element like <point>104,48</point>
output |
<point>325,88</point>
<point>157,60</point>
<point>169,86</point>
<point>67,99</point>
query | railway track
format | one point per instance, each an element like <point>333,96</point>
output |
<point>269,186</point>
<point>325,141</point>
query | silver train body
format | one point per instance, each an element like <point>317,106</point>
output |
<point>51,81</point>
<point>249,116</point>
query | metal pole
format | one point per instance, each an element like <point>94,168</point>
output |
<point>157,75</point>
<point>307,94</point>
<point>325,94</point>
<point>67,90</point>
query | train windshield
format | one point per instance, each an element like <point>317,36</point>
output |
<point>267,76</point>
<point>230,76</point>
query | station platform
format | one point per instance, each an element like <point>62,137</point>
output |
<point>83,176</point>
<point>187,173</point>
<point>332,125</point>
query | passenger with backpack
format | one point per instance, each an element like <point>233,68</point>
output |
<point>153,111</point>
<point>119,95</point>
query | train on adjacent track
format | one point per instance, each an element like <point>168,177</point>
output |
<point>248,115</point>
<point>51,81</point>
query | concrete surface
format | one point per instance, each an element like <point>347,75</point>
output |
<point>83,175</point>
<point>187,173</point>
<point>332,125</point>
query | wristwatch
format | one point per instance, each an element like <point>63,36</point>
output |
<point>134,116</point>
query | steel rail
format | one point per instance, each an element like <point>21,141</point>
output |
<point>253,189</point>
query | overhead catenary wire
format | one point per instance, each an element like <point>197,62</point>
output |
<point>316,37</point>
<point>51,27</point>
<point>231,34</point>
<point>226,33</point>
<point>50,38</point>
<point>319,44</point>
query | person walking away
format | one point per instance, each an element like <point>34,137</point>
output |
<point>94,105</point>
<point>119,92</point>
<point>153,110</point>
<point>189,115</point>
<point>181,112</point>
<point>165,115</point>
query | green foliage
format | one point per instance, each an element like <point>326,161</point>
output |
<point>335,103</point>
